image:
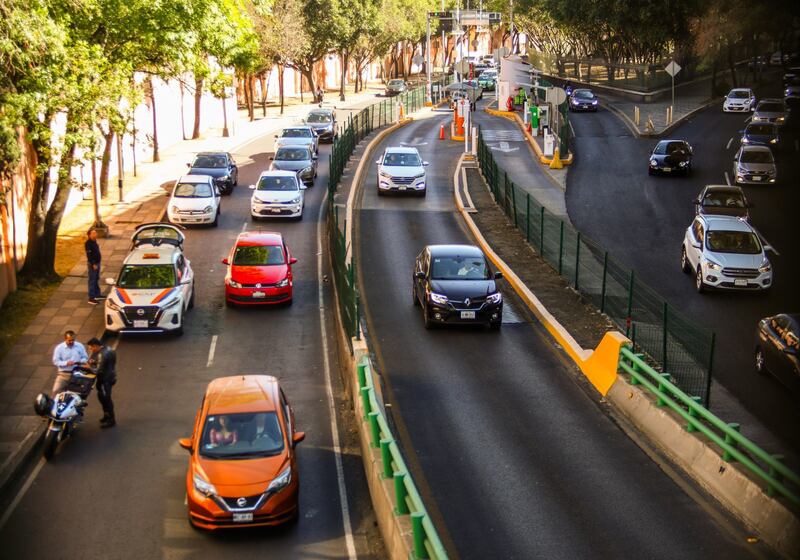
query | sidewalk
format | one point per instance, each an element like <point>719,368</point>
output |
<point>27,368</point>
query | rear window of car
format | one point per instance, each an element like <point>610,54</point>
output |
<point>741,242</point>
<point>258,255</point>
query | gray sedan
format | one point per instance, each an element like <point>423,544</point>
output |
<point>296,158</point>
<point>770,111</point>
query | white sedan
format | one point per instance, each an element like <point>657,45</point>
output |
<point>195,200</point>
<point>278,194</point>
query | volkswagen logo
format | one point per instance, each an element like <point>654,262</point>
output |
<point>258,285</point>
<point>466,302</point>
<point>140,312</point>
<point>241,502</point>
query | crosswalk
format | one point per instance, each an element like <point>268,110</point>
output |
<point>502,136</point>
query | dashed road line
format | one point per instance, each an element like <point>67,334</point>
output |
<point>244,227</point>
<point>211,350</point>
<point>730,141</point>
<point>21,494</point>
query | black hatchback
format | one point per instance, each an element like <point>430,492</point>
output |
<point>454,284</point>
<point>671,156</point>
<point>778,348</point>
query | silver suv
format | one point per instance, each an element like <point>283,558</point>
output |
<point>401,170</point>
<point>725,252</point>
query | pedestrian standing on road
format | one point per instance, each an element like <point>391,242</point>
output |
<point>93,259</point>
<point>103,362</point>
<point>66,356</point>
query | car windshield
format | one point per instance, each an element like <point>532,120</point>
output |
<point>760,129</point>
<point>192,190</point>
<point>459,268</point>
<point>724,199</point>
<point>241,436</point>
<point>292,154</point>
<point>277,184</point>
<point>258,255</point>
<point>583,94</point>
<point>670,148</point>
<point>739,94</point>
<point>771,108</point>
<point>743,242</point>
<point>296,133</point>
<point>395,83</point>
<point>210,162</point>
<point>147,276</point>
<point>402,160</point>
<point>319,118</point>
<point>756,156</point>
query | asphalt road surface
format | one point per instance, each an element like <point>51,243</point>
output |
<point>641,220</point>
<point>513,457</point>
<point>120,493</point>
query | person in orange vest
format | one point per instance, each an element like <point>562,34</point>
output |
<point>510,104</point>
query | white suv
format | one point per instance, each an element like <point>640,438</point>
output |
<point>155,287</point>
<point>195,200</point>
<point>725,252</point>
<point>278,194</point>
<point>401,170</point>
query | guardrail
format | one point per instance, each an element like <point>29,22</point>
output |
<point>407,498</point>
<point>668,337</point>
<point>699,419</point>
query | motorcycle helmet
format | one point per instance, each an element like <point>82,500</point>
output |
<point>42,404</point>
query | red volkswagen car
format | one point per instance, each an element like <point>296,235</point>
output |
<point>259,270</point>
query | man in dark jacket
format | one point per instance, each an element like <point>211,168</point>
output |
<point>103,362</point>
<point>93,258</point>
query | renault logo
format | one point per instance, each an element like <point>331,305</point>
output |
<point>466,302</point>
<point>241,502</point>
<point>140,311</point>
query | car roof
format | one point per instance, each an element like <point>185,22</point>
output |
<point>320,111</point>
<point>401,150</point>
<point>278,173</point>
<point>770,100</point>
<point>259,238</point>
<point>672,140</point>
<point>748,90</point>
<point>751,148</point>
<point>195,178</point>
<point>451,250</point>
<point>726,223</point>
<point>149,254</point>
<point>242,393</point>
<point>296,127</point>
<point>212,153</point>
<point>723,189</point>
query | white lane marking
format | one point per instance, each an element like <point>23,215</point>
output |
<point>244,227</point>
<point>211,350</point>
<point>727,178</point>
<point>337,447</point>
<point>747,120</point>
<point>730,141</point>
<point>765,242</point>
<point>22,491</point>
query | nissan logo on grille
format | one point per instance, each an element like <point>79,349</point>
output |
<point>140,312</point>
<point>241,502</point>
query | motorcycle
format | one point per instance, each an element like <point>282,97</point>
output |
<point>65,410</point>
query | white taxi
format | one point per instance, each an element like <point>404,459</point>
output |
<point>155,287</point>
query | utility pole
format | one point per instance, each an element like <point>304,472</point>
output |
<point>428,63</point>
<point>120,166</point>
<point>511,24</point>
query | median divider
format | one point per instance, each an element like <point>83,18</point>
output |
<point>513,116</point>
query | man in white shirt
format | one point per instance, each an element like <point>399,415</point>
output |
<point>67,355</point>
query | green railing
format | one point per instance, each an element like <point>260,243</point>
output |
<point>668,337</point>
<point>735,446</point>
<point>407,499</point>
<point>344,273</point>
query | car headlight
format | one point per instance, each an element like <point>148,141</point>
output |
<point>773,141</point>
<point>765,266</point>
<point>384,174</point>
<point>207,209</point>
<point>780,119</point>
<point>745,140</point>
<point>281,481</point>
<point>653,163</point>
<point>113,305</point>
<point>295,200</point>
<point>683,163</point>
<point>223,179</point>
<point>594,101</point>
<point>307,170</point>
<point>203,486</point>
<point>283,283</point>
<point>713,266</point>
<point>233,283</point>
<point>438,298</point>
<point>495,298</point>
<point>175,209</point>
<point>171,303</point>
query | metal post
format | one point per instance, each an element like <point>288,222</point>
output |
<point>630,304</point>
<point>664,340</point>
<point>693,414</point>
<point>726,456</point>
<point>365,401</point>
<point>514,202</point>
<point>577,259</point>
<point>561,248</point>
<point>374,430</point>
<point>361,370</point>
<point>527,217</point>
<point>505,191</point>
<point>541,231</point>
<point>386,457</point>
<point>357,326</point>
<point>401,507</point>
<point>419,535</point>
<point>708,374</point>
<point>120,167</point>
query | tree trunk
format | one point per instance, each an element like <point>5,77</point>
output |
<point>732,66</point>
<point>105,161</point>
<point>250,82</point>
<point>280,84</point>
<point>198,101</point>
<point>345,59</point>
<point>183,119</point>
<point>264,81</point>
<point>308,74</point>
<point>156,157</point>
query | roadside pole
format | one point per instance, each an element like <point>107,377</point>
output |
<point>429,87</point>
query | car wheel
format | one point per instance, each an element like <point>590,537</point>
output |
<point>191,299</point>
<point>685,267</point>
<point>179,330</point>
<point>760,361</point>
<point>426,318</point>
<point>494,326</point>
<point>698,281</point>
<point>414,296</point>
<point>649,171</point>
<point>380,192</point>
<point>424,193</point>
<point>215,223</point>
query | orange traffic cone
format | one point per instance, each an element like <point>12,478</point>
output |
<point>401,112</point>
<point>441,132</point>
<point>530,129</point>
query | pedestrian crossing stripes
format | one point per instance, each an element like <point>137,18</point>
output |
<point>502,135</point>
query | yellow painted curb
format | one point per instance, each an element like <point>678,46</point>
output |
<point>531,140</point>
<point>457,138</point>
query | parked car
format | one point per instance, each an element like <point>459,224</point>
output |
<point>401,169</point>
<point>583,100</point>
<point>323,123</point>
<point>455,284</point>
<point>478,69</point>
<point>771,111</point>
<point>278,194</point>
<point>777,348</point>
<point>791,76</point>
<point>754,165</point>
<point>760,62</point>
<point>791,92</point>
<point>195,199</point>
<point>489,60</point>
<point>395,87</point>
<point>724,200</point>
<point>299,159</point>
<point>739,100</point>
<point>778,58</point>
<point>671,156</point>
<point>761,134</point>
<point>297,136</point>
<point>243,466</point>
<point>259,270</point>
<point>725,252</point>
<point>220,166</point>
<point>488,79</point>
<point>155,286</point>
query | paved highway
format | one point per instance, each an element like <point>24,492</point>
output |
<point>120,493</point>
<point>513,456</point>
<point>642,219</point>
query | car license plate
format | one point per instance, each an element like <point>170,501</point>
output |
<point>242,517</point>
<point>275,210</point>
<point>402,188</point>
<point>467,314</point>
<point>740,282</point>
<point>139,324</point>
<point>756,178</point>
<point>667,169</point>
<point>259,294</point>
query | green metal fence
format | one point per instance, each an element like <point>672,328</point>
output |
<point>669,338</point>
<point>344,273</point>
<point>779,480</point>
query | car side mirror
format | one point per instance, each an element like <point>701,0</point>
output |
<point>111,282</point>
<point>498,275</point>
<point>377,161</point>
<point>188,164</point>
<point>303,187</point>
<point>768,248</point>
<point>297,437</point>
<point>251,187</point>
<point>226,261</point>
<point>697,245</point>
<point>420,275</point>
<point>314,158</point>
<point>276,136</point>
<point>293,261</point>
<point>271,158</point>
<point>696,201</point>
<point>426,163</point>
<point>186,443</point>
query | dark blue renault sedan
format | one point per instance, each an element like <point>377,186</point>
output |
<point>670,157</point>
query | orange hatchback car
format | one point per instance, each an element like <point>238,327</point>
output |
<point>243,466</point>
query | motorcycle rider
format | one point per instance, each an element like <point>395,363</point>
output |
<point>103,362</point>
<point>66,356</point>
